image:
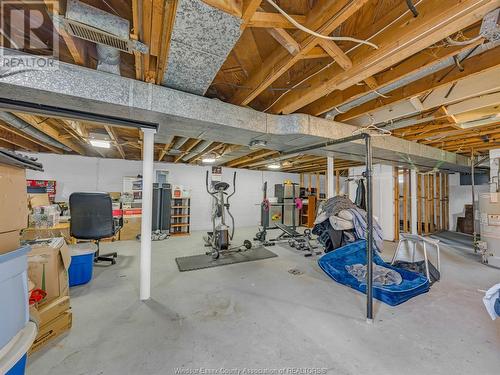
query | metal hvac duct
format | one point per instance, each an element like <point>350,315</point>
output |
<point>198,149</point>
<point>22,125</point>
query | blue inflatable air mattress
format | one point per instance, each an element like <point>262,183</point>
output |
<point>334,264</point>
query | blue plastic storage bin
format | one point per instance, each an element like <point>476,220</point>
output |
<point>14,309</point>
<point>82,264</point>
<point>19,367</point>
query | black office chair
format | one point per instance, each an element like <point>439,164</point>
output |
<point>92,219</point>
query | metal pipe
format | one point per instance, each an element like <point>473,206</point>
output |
<point>369,207</point>
<point>369,229</point>
<point>412,8</point>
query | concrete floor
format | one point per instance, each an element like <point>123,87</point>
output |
<point>258,316</point>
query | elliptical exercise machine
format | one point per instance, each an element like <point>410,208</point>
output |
<point>222,234</point>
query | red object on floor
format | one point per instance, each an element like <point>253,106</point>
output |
<point>36,296</point>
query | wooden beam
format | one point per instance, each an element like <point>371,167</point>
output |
<point>18,141</point>
<point>77,47</point>
<point>248,9</point>
<point>166,149</point>
<point>187,147</point>
<point>232,7</point>
<point>336,53</point>
<point>274,20</point>
<point>136,34</point>
<point>41,144</point>
<point>337,182</point>
<point>285,39</point>
<point>114,138</point>
<point>315,53</point>
<point>51,131</point>
<point>249,158</point>
<point>398,42</point>
<point>324,18</point>
<point>475,65</point>
<point>167,28</point>
<point>421,60</point>
<point>209,149</point>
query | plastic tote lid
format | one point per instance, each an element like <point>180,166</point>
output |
<point>83,248</point>
<point>16,348</point>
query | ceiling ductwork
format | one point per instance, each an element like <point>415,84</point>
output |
<point>26,128</point>
<point>202,146</point>
<point>202,38</point>
<point>110,33</point>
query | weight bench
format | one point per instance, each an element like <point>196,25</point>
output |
<point>288,232</point>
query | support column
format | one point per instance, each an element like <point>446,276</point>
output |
<point>330,176</point>
<point>413,201</point>
<point>147,215</point>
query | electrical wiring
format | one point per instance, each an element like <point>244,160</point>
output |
<point>349,51</point>
<point>314,33</point>
<point>454,42</point>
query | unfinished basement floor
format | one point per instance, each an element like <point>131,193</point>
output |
<point>259,316</point>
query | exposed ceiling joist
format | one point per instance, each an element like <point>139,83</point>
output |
<point>274,20</point>
<point>421,60</point>
<point>398,42</point>
<point>476,65</point>
<point>324,18</point>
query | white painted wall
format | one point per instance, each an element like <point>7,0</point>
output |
<point>383,206</point>
<point>459,196</point>
<point>78,173</point>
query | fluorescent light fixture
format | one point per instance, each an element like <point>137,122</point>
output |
<point>98,139</point>
<point>100,143</point>
<point>274,166</point>
<point>208,160</point>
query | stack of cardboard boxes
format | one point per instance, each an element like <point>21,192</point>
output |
<point>48,260</point>
<point>13,206</point>
<point>48,263</point>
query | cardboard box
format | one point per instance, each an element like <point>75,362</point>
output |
<point>60,230</point>
<point>53,329</point>
<point>131,227</point>
<point>13,199</point>
<point>38,199</point>
<point>9,241</point>
<point>52,310</point>
<point>48,263</point>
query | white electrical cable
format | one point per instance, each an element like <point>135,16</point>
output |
<point>454,42</point>
<point>380,94</point>
<point>314,33</point>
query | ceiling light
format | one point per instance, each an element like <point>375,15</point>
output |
<point>257,143</point>
<point>209,158</point>
<point>100,143</point>
<point>101,140</point>
<point>274,166</point>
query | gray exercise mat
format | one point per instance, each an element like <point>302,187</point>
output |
<point>197,262</point>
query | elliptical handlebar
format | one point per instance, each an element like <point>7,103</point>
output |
<point>234,187</point>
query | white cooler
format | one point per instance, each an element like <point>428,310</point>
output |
<point>14,309</point>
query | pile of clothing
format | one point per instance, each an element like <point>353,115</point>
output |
<point>339,221</point>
